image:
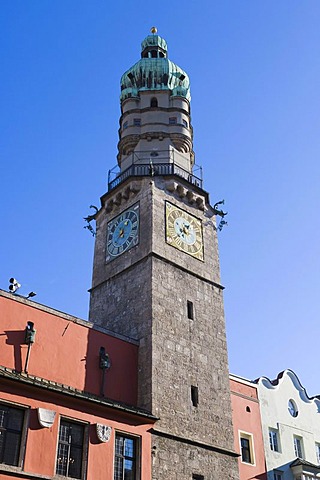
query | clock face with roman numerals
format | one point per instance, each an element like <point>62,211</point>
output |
<point>123,232</point>
<point>184,231</point>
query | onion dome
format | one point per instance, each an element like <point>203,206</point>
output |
<point>154,71</point>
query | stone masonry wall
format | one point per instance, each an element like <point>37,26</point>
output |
<point>174,460</point>
<point>143,294</point>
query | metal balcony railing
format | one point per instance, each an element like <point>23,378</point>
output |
<point>153,168</point>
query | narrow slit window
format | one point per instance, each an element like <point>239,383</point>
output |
<point>190,310</point>
<point>196,476</point>
<point>194,396</point>
<point>172,120</point>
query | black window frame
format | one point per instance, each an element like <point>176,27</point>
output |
<point>70,446</point>
<point>190,310</point>
<point>246,454</point>
<point>121,458</point>
<point>194,395</point>
<point>9,430</point>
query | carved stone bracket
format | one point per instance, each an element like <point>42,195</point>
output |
<point>185,194</point>
<point>123,195</point>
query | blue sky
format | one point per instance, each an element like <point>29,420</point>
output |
<point>255,74</point>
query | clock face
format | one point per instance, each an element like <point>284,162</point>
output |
<point>184,231</point>
<point>123,232</point>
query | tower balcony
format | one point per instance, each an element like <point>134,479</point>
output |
<point>154,163</point>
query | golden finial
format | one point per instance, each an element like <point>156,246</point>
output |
<point>153,29</point>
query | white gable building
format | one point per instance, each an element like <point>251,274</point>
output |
<point>291,428</point>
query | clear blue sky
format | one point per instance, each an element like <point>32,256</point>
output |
<point>255,76</point>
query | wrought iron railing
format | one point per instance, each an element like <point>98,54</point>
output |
<point>116,177</point>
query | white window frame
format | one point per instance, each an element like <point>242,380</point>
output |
<point>248,436</point>
<point>274,440</point>
<point>317,445</point>
<point>298,446</point>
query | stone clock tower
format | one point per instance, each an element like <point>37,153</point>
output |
<point>156,273</point>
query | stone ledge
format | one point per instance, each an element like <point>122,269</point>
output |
<point>17,472</point>
<point>195,443</point>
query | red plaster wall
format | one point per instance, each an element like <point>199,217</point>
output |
<point>41,445</point>
<point>243,396</point>
<point>67,352</point>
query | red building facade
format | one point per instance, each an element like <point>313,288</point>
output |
<point>68,398</point>
<point>248,440</point>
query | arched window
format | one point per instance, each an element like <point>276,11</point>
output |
<point>154,102</point>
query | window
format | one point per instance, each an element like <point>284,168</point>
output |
<point>190,310</point>
<point>125,461</point>
<point>318,452</point>
<point>277,475</point>
<point>137,122</point>
<point>185,123</point>
<point>273,440</point>
<point>154,102</point>
<point>298,447</point>
<point>194,395</point>
<point>246,444</point>
<point>172,120</point>
<point>125,125</point>
<point>195,476</point>
<point>11,424</point>
<point>292,407</point>
<point>70,449</point>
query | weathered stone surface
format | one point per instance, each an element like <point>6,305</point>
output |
<point>143,294</point>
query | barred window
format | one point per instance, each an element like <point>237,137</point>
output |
<point>125,461</point>
<point>11,424</point>
<point>70,449</point>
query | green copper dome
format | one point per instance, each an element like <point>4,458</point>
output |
<point>154,71</point>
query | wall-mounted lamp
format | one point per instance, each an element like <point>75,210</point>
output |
<point>104,364</point>
<point>29,339</point>
<point>31,294</point>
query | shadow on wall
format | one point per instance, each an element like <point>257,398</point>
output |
<point>16,338</point>
<point>119,381</point>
